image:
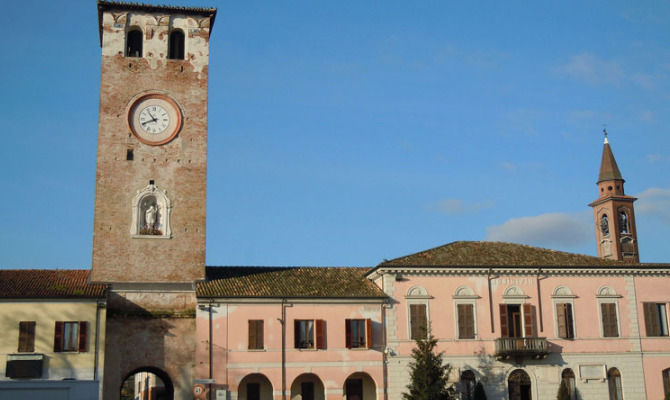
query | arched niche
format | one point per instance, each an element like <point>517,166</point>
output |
<point>151,208</point>
<point>417,292</point>
<point>465,292</point>
<point>563,291</point>
<point>514,293</point>
<point>607,291</point>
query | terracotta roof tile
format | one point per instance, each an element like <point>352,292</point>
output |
<point>48,283</point>
<point>324,282</point>
<point>493,254</point>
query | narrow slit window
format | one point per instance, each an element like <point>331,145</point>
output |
<point>129,155</point>
<point>176,45</point>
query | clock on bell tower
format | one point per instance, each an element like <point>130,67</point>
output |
<point>152,144</point>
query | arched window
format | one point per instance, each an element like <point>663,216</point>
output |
<point>569,378</point>
<point>623,222</point>
<point>518,385</point>
<point>614,383</point>
<point>604,225</point>
<point>134,43</point>
<point>467,384</point>
<point>176,45</point>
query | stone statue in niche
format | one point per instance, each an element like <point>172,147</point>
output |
<point>151,222</point>
<point>151,209</point>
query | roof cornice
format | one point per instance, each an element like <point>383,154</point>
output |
<point>635,270</point>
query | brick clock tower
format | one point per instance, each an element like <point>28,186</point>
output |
<point>149,227</point>
<point>613,213</point>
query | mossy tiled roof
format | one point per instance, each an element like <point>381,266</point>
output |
<point>290,282</point>
<point>494,254</point>
<point>48,283</point>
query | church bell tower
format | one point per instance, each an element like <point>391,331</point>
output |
<point>613,213</point>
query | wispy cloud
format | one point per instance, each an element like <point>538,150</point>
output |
<point>588,68</point>
<point>645,81</point>
<point>522,121</point>
<point>508,166</point>
<point>647,116</point>
<point>548,230</point>
<point>652,158</point>
<point>460,207</point>
<point>654,202</point>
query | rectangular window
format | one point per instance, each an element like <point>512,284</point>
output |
<point>609,320</point>
<point>309,333</point>
<point>466,321</point>
<point>517,320</point>
<point>655,319</point>
<point>71,336</point>
<point>255,334</point>
<point>418,321</point>
<point>26,336</point>
<point>358,333</point>
<point>564,321</point>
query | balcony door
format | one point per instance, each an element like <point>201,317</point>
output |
<point>516,320</point>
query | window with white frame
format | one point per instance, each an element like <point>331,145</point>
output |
<point>608,309</point>
<point>418,320</point>
<point>517,317</point>
<point>564,309</point>
<point>465,312</point>
<point>614,383</point>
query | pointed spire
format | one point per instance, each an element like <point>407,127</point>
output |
<point>609,170</point>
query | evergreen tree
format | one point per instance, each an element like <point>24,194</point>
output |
<point>563,392</point>
<point>428,374</point>
<point>479,393</point>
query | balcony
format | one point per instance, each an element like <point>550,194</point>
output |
<point>519,348</point>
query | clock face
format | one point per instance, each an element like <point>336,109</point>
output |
<point>154,119</point>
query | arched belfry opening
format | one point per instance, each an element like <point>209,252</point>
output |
<point>147,383</point>
<point>176,44</point>
<point>134,43</point>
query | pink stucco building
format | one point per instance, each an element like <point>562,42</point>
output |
<point>517,318</point>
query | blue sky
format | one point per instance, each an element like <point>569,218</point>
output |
<point>344,133</point>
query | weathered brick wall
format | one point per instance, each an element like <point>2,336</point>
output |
<point>141,334</point>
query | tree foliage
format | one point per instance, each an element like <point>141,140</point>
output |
<point>563,391</point>
<point>479,393</point>
<point>428,373</point>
